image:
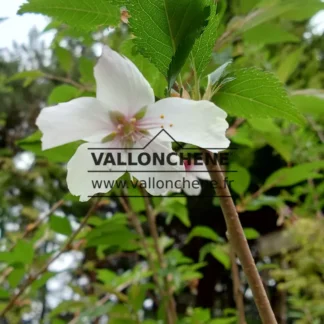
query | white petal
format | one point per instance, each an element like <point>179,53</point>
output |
<point>200,123</point>
<point>72,121</point>
<point>200,171</point>
<point>192,186</point>
<point>120,84</point>
<point>81,182</point>
<point>159,179</point>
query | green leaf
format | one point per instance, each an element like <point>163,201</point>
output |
<point>41,282</point>
<point>217,252</point>
<point>270,11</point>
<point>86,67</point>
<point>289,65</point>
<point>29,76</point>
<point>204,45</point>
<point>166,31</point>
<point>291,176</point>
<point>215,77</point>
<point>16,276</point>
<point>255,93</point>
<point>251,233</point>
<point>65,58</point>
<point>269,33</point>
<point>59,154</point>
<point>240,179</point>
<point>63,93</point>
<point>136,295</point>
<point>24,252</point>
<point>60,225</point>
<point>203,231</point>
<point>83,14</point>
<point>309,105</point>
<point>306,10</point>
<point>176,207</point>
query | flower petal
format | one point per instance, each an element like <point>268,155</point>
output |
<point>159,179</point>
<point>200,123</point>
<point>73,121</point>
<point>120,84</point>
<point>101,179</point>
<point>200,172</point>
<point>192,186</point>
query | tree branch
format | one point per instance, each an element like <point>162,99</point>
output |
<point>239,243</point>
<point>65,247</point>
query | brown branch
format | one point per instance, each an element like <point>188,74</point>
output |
<point>237,288</point>
<point>240,244</point>
<point>34,277</point>
<point>68,81</point>
<point>172,308</point>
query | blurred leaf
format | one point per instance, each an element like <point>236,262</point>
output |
<point>83,14</point>
<point>203,231</point>
<point>290,176</point>
<point>217,252</point>
<point>269,33</point>
<point>65,58</point>
<point>255,93</point>
<point>41,282</point>
<point>176,207</point>
<point>204,45</point>
<point>86,67</point>
<point>289,65</point>
<point>251,233</point>
<point>165,32</point>
<point>240,180</point>
<point>29,76</point>
<point>59,154</point>
<point>309,105</point>
<point>60,225</point>
<point>136,295</point>
<point>63,93</point>
<point>16,276</point>
<point>4,294</point>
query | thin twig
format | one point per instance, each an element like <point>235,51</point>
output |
<point>138,228</point>
<point>237,289</point>
<point>68,81</point>
<point>240,244</point>
<point>172,308</point>
<point>65,247</point>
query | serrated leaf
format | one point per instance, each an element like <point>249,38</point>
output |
<point>82,14</point>
<point>60,225</point>
<point>256,93</point>
<point>291,176</point>
<point>63,93</point>
<point>269,33</point>
<point>204,45</point>
<point>166,31</point>
<point>204,232</point>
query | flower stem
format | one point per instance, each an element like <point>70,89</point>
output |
<point>240,244</point>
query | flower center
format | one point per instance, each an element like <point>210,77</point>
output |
<point>127,130</point>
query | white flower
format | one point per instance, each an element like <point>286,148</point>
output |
<point>194,173</point>
<point>123,119</point>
